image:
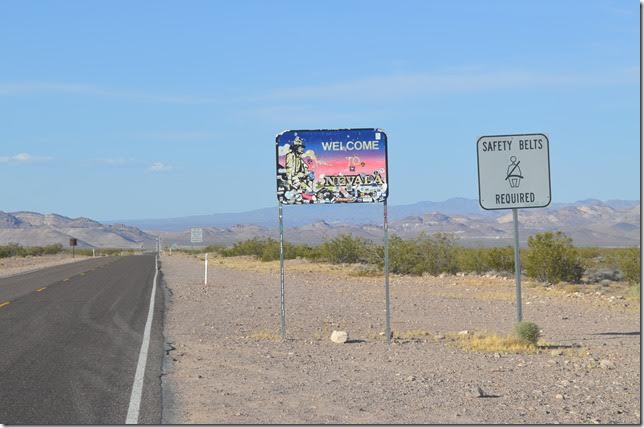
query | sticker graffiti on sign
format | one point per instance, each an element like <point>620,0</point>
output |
<point>332,166</point>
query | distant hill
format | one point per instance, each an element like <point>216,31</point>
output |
<point>356,214</point>
<point>590,223</point>
<point>31,229</point>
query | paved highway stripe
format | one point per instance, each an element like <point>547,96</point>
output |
<point>40,289</point>
<point>3,304</point>
<point>137,386</point>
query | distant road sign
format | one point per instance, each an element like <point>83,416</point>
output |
<point>196,235</point>
<point>514,171</point>
<point>331,166</point>
<point>73,242</point>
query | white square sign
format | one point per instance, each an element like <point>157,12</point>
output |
<point>196,235</point>
<point>514,171</point>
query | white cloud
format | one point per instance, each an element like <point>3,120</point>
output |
<point>81,89</point>
<point>116,161</point>
<point>22,158</point>
<point>159,167</point>
<point>398,85</point>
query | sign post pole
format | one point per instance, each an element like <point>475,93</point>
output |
<point>205,275</point>
<point>282,304</point>
<point>387,302</point>
<point>517,265</point>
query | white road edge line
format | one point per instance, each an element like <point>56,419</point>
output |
<point>137,386</point>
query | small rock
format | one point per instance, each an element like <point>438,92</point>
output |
<point>442,275</point>
<point>606,364</point>
<point>463,332</point>
<point>565,382</point>
<point>497,355</point>
<point>559,397</point>
<point>439,337</point>
<point>556,352</point>
<point>410,378</point>
<point>339,336</point>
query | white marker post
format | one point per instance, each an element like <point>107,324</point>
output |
<point>514,172</point>
<point>205,275</point>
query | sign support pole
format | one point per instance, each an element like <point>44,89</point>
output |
<point>282,304</point>
<point>517,265</point>
<point>387,302</point>
<point>205,274</point>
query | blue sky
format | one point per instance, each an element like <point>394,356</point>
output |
<point>155,109</point>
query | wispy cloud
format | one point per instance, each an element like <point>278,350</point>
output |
<point>160,167</point>
<point>119,162</point>
<point>23,158</point>
<point>80,89</point>
<point>179,136</point>
<point>401,85</point>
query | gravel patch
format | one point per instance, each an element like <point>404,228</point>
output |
<point>225,363</point>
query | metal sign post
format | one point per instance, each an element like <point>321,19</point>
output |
<point>205,274</point>
<point>387,303</point>
<point>517,265</point>
<point>73,242</point>
<point>514,173</point>
<point>282,304</point>
<point>332,166</point>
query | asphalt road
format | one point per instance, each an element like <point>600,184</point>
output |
<point>70,338</point>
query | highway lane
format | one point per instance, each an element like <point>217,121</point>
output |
<point>69,352</point>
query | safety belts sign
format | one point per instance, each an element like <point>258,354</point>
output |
<point>514,171</point>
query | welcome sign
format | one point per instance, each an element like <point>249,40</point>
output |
<point>331,166</point>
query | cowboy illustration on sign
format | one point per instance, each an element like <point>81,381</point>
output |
<point>332,166</point>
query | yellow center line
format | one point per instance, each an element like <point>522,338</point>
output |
<point>66,279</point>
<point>4,304</point>
<point>41,289</point>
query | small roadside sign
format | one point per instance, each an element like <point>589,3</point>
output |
<point>514,171</point>
<point>196,235</point>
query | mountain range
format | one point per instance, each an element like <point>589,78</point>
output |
<point>31,229</point>
<point>589,222</point>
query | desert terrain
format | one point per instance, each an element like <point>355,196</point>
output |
<point>14,265</point>
<point>226,364</point>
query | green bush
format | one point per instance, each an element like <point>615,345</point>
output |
<point>527,331</point>
<point>551,258</point>
<point>15,250</point>
<point>501,259</point>
<point>347,249</point>
<point>630,265</point>
<point>472,260</point>
<point>433,254</point>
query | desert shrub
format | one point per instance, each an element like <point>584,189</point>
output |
<point>266,250</point>
<point>527,331</point>
<point>551,258</point>
<point>347,249</point>
<point>16,250</point>
<point>433,254</point>
<point>473,260</point>
<point>630,265</point>
<point>250,247</point>
<point>501,259</point>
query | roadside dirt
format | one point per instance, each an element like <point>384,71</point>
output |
<point>15,265</point>
<point>230,367</point>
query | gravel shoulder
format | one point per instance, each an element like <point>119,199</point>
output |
<point>226,364</point>
<point>15,265</point>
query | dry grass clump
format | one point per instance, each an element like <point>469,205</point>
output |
<point>491,342</point>
<point>411,335</point>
